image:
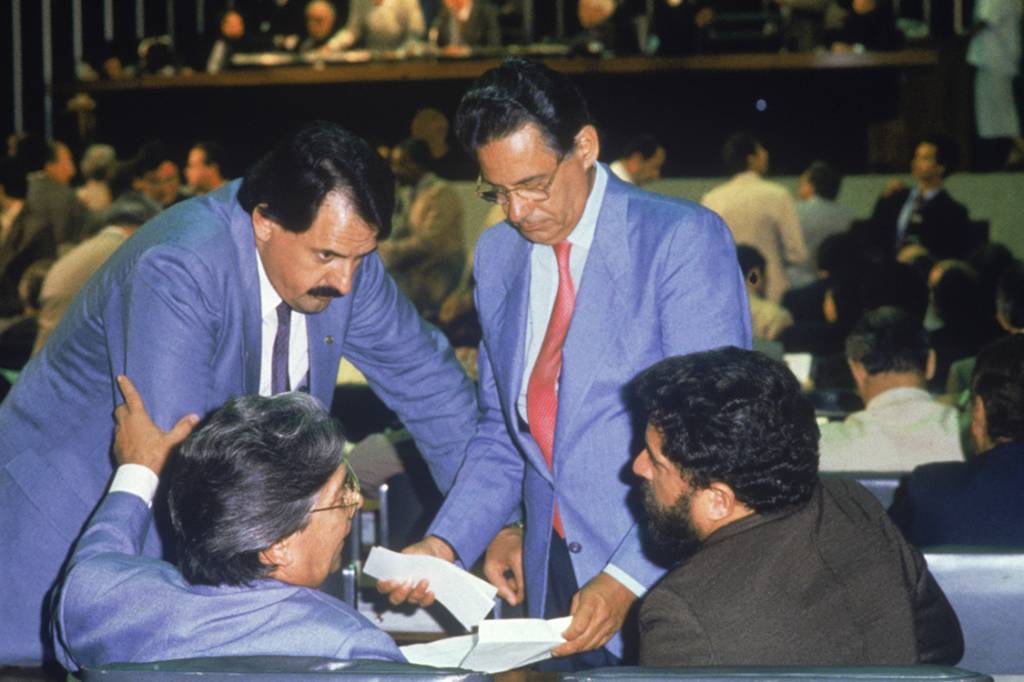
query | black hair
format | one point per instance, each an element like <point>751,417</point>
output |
<point>839,254</point>
<point>13,178</point>
<point>749,258</point>
<point>736,149</point>
<point>247,478</point>
<point>646,144</point>
<point>825,179</point>
<point>889,339</point>
<point>517,93</point>
<point>958,298</point>
<point>947,151</point>
<point>215,155</point>
<point>891,283</point>
<point>998,380</point>
<point>417,151</point>
<point>289,183</point>
<point>32,152</point>
<point>1010,295</point>
<point>734,416</point>
<point>150,157</point>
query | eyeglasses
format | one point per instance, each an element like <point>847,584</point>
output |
<point>350,490</point>
<point>500,195</point>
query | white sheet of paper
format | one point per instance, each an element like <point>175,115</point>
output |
<point>442,653</point>
<point>467,597</point>
<point>500,645</point>
<point>800,365</point>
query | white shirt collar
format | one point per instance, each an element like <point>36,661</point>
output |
<point>269,299</point>
<point>583,234</point>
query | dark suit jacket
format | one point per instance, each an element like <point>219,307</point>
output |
<point>942,225</point>
<point>29,239</point>
<point>829,583</point>
<point>978,502</point>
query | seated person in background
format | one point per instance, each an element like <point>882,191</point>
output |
<point>641,160</point>
<point>758,212</point>
<point>206,167</point>
<point>902,425</point>
<point>868,25</point>
<point>769,319</point>
<point>321,17</point>
<point>426,253</point>
<point>17,334</point>
<point>446,160</point>
<point>959,305</point>
<point>97,167</point>
<point>261,500</point>
<point>777,567</point>
<point>837,255</point>
<point>977,502</point>
<point>380,25</point>
<point>24,237</point>
<point>157,174</point>
<point>51,167</point>
<point>72,270</point>
<point>234,38</point>
<point>463,24</point>
<point>821,216</point>
<point>925,214</point>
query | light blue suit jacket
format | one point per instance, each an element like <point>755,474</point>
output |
<point>115,605</point>
<point>661,279</point>
<point>176,308</point>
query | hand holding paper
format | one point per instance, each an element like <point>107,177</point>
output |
<point>467,597</point>
<point>416,592</point>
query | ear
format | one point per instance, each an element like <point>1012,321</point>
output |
<point>979,426</point>
<point>719,501</point>
<point>929,365</point>
<point>262,226</point>
<point>860,374</point>
<point>588,146</point>
<point>278,555</point>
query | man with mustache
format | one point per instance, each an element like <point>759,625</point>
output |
<point>258,287</point>
<point>775,566</point>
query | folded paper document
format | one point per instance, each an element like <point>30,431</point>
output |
<point>467,597</point>
<point>498,646</point>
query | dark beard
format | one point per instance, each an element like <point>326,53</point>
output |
<point>671,527</point>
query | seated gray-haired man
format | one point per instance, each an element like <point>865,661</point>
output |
<point>261,500</point>
<point>776,567</point>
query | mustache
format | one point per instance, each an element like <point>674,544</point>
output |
<point>324,292</point>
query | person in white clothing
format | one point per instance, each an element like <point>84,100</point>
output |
<point>995,51</point>
<point>902,425</point>
<point>758,212</point>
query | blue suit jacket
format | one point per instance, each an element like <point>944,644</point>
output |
<point>661,279</point>
<point>117,606</point>
<point>176,308</point>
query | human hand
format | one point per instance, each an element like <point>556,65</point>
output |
<point>419,593</point>
<point>598,610</point>
<point>137,439</point>
<point>894,185</point>
<point>504,556</point>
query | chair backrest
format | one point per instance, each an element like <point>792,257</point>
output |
<point>986,589</point>
<point>915,673</point>
<point>881,484</point>
<point>276,669</point>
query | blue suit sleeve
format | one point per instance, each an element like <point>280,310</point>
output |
<point>703,304</point>
<point>119,526</point>
<point>411,366</point>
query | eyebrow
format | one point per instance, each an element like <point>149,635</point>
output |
<point>532,178</point>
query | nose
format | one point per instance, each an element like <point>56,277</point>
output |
<point>341,276</point>
<point>516,209</point>
<point>642,465</point>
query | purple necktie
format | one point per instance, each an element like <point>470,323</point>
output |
<point>279,361</point>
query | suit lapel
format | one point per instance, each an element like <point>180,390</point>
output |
<point>599,309</point>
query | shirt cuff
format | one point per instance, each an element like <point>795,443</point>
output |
<point>627,580</point>
<point>137,480</point>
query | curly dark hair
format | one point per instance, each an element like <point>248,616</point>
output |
<point>998,380</point>
<point>734,416</point>
<point>889,339</point>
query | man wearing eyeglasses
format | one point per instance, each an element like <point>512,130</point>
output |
<point>261,500</point>
<point>587,282</point>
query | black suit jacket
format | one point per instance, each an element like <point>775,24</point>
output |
<point>829,583</point>
<point>978,502</point>
<point>941,226</point>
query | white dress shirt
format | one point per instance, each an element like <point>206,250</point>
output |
<point>298,346</point>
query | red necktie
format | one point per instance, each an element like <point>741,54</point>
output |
<point>542,390</point>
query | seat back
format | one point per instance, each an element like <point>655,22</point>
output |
<point>915,673</point>
<point>881,484</point>
<point>986,589</point>
<point>276,669</point>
